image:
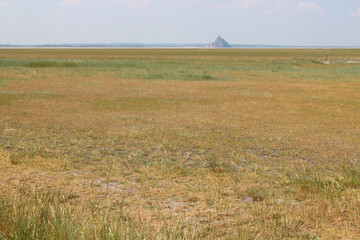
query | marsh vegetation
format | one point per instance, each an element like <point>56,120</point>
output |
<point>179,144</point>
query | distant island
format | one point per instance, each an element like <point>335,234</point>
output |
<point>219,43</point>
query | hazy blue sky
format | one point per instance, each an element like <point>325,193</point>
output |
<point>286,22</point>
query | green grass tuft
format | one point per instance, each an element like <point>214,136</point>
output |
<point>42,64</point>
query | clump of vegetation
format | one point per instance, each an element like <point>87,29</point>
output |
<point>17,157</point>
<point>207,77</point>
<point>50,64</point>
<point>47,214</point>
<point>42,64</point>
<point>258,194</point>
<point>319,182</point>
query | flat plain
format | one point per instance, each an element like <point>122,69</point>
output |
<point>179,144</point>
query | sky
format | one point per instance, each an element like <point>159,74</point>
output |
<point>275,22</point>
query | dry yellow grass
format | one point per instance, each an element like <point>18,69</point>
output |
<point>226,144</point>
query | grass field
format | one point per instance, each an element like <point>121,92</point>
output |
<point>179,144</point>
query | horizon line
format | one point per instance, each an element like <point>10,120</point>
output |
<point>162,45</point>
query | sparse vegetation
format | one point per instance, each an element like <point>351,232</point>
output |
<point>179,144</point>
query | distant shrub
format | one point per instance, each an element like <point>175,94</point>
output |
<point>48,64</point>
<point>42,64</point>
<point>207,77</point>
<point>196,77</point>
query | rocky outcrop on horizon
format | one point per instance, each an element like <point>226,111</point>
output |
<point>219,43</point>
